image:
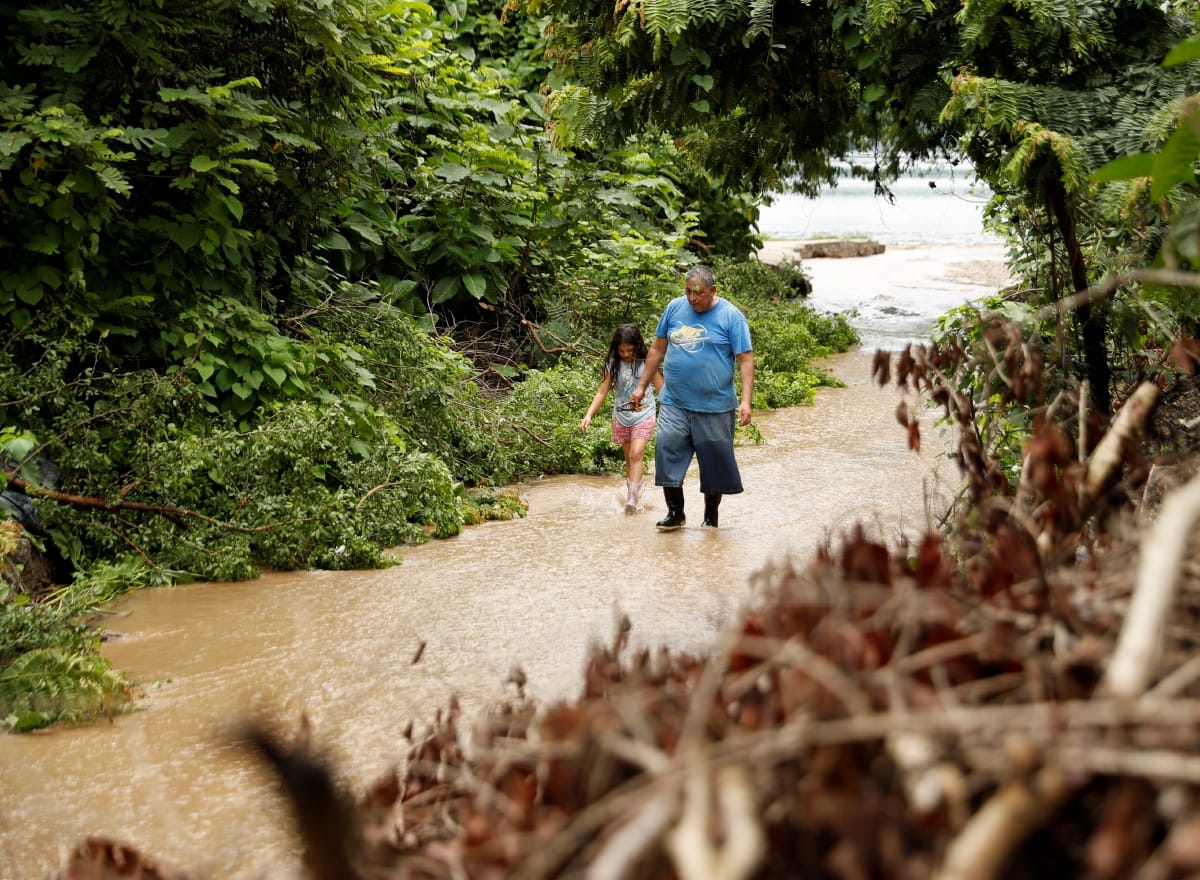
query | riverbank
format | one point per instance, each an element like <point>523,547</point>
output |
<point>978,263</point>
<point>897,296</point>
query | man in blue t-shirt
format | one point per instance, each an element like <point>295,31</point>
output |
<point>702,337</point>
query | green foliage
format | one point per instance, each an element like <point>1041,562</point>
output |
<point>773,390</point>
<point>313,486</point>
<point>45,686</point>
<point>51,669</point>
<point>1166,177</point>
<point>1036,94</point>
<point>757,89</point>
<point>187,203</point>
<point>1002,424</point>
<point>546,407</point>
<point>614,281</point>
<point>489,504</point>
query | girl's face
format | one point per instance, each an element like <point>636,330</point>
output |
<point>625,352</point>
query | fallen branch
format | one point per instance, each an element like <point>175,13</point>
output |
<point>174,514</point>
<point>1159,566</point>
<point>694,852</point>
<point>1110,452</point>
<point>633,838</point>
<point>982,849</point>
<point>1110,285</point>
<point>533,331</point>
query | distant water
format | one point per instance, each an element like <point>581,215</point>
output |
<point>950,211</point>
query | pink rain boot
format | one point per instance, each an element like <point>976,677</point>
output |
<point>633,499</point>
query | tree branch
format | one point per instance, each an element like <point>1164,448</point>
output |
<point>174,514</point>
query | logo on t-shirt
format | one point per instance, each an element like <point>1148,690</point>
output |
<point>689,339</point>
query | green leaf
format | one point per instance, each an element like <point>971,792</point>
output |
<point>112,179</point>
<point>189,94</point>
<point>204,164</point>
<point>335,241</point>
<point>1175,163</point>
<point>475,283</point>
<point>1125,168</point>
<point>1188,50</point>
<point>12,142</point>
<point>234,206</point>
<point>185,235</point>
<point>30,294</point>
<point>18,447</point>
<point>444,289</point>
<point>452,171</point>
<point>364,228</point>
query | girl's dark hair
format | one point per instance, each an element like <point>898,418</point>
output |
<point>625,334</point>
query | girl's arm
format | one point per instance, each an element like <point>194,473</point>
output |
<point>658,381</point>
<point>601,393</point>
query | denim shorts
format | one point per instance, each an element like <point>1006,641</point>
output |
<point>684,433</point>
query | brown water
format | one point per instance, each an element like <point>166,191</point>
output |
<point>339,646</point>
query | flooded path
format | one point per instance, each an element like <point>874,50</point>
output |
<point>339,647</point>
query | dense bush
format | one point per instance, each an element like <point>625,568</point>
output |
<point>50,665</point>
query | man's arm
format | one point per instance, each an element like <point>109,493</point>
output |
<point>745,365</point>
<point>654,358</point>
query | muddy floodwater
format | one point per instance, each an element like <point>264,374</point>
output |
<point>339,647</point>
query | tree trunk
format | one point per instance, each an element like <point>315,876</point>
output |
<point>1092,318</point>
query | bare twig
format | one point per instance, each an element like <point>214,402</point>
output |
<point>795,653</point>
<point>693,852</point>
<point>982,849</point>
<point>533,331</point>
<point>1110,452</point>
<point>1157,581</point>
<point>1113,283</point>
<point>633,838</point>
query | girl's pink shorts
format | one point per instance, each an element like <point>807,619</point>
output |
<point>643,430</point>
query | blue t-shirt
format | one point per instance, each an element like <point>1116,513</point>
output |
<point>698,369</point>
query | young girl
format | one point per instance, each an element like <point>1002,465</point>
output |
<point>632,427</point>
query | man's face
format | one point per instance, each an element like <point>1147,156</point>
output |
<point>700,297</point>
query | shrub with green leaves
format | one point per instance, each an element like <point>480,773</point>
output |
<point>543,414</point>
<point>51,669</point>
<point>327,485</point>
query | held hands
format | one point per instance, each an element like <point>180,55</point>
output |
<point>635,399</point>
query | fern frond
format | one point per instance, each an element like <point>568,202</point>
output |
<point>45,686</point>
<point>762,17</point>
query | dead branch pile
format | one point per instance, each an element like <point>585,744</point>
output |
<point>1017,698</point>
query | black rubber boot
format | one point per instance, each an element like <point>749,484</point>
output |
<point>674,518</point>
<point>711,502</point>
